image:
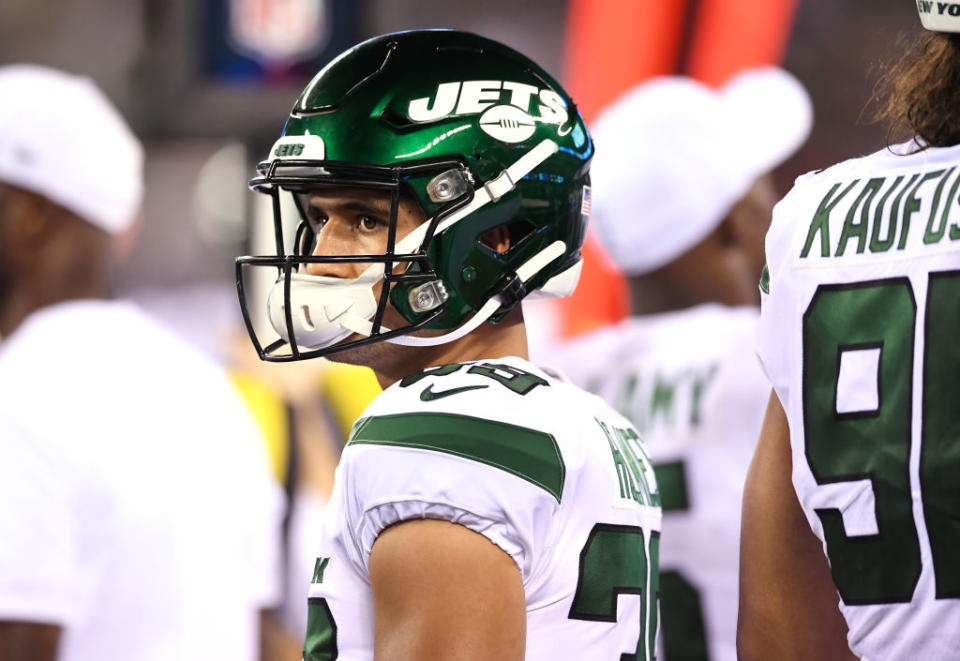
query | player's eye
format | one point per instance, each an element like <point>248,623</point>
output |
<point>306,239</point>
<point>311,213</point>
<point>369,223</point>
<point>316,218</point>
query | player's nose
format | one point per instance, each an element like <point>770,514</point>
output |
<point>329,244</point>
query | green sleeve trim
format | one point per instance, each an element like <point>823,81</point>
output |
<point>765,280</point>
<point>529,454</point>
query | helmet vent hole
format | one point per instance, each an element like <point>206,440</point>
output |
<point>307,321</point>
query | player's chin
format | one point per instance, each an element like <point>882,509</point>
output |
<point>376,354</point>
<point>367,355</point>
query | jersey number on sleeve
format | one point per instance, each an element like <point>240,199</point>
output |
<point>615,561</point>
<point>321,641</point>
<point>872,441</point>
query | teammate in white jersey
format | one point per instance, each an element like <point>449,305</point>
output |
<point>861,311</point>
<point>683,210</point>
<point>483,508</point>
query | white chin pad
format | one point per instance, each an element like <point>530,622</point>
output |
<point>324,310</point>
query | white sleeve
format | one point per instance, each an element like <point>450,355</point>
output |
<point>775,303</point>
<point>44,571</point>
<point>385,485</point>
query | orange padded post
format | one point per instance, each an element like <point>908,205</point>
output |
<point>615,44</point>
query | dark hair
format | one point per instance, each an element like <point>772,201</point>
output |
<point>919,96</point>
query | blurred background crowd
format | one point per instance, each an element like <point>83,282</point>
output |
<point>207,84</point>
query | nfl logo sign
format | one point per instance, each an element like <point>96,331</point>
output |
<point>277,32</point>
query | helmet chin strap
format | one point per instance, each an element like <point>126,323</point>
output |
<point>526,271</point>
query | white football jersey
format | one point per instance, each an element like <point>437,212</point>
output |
<point>859,336</point>
<point>691,384</point>
<point>548,473</point>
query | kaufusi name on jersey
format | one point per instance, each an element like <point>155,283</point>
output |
<point>941,8</point>
<point>879,214</point>
<point>471,97</point>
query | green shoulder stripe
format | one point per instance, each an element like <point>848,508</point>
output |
<point>527,453</point>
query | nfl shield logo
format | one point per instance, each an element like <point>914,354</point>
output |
<point>276,32</point>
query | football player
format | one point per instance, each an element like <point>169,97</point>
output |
<point>851,516</point>
<point>484,508</point>
<point>683,367</point>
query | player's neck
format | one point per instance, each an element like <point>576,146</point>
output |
<point>12,313</point>
<point>669,290</point>
<point>489,341</point>
<point>20,303</point>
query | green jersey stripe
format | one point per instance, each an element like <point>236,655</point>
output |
<point>529,454</point>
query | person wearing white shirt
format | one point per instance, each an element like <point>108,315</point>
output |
<point>682,198</point>
<point>139,520</point>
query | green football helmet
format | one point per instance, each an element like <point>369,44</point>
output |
<point>478,136</point>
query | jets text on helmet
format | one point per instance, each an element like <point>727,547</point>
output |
<point>472,97</point>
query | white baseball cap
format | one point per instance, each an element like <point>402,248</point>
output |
<point>939,16</point>
<point>674,156</point>
<point>61,137</point>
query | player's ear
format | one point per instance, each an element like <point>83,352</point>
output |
<point>497,239</point>
<point>26,222</point>
<point>725,236</point>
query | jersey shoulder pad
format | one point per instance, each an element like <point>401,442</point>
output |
<point>787,217</point>
<point>460,453</point>
<point>810,202</point>
<point>481,413</point>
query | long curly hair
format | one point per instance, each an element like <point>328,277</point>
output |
<point>919,96</point>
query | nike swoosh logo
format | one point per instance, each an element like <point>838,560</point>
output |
<point>428,395</point>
